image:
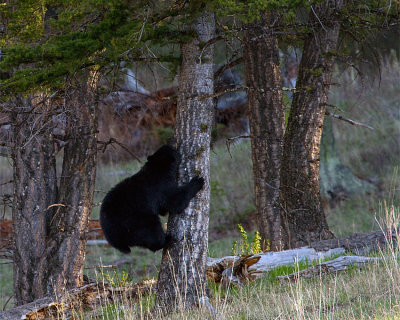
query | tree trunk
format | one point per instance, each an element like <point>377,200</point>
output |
<point>303,214</point>
<point>35,190</point>
<point>50,226</point>
<point>69,225</point>
<point>267,124</point>
<point>182,278</point>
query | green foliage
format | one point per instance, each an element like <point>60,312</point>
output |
<point>46,41</point>
<point>249,11</point>
<point>256,244</point>
<point>244,246</point>
<point>113,311</point>
<point>43,50</point>
<point>116,279</point>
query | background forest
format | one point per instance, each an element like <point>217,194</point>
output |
<point>89,89</point>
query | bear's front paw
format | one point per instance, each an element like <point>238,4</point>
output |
<point>170,240</point>
<point>197,182</point>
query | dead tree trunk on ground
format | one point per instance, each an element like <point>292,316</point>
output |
<point>182,278</point>
<point>267,124</point>
<point>303,214</point>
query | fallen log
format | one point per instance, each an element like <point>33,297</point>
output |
<point>240,270</point>
<point>336,265</point>
<point>86,298</point>
<point>360,243</point>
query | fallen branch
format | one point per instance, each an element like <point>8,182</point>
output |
<point>240,270</point>
<point>339,264</point>
<point>88,298</point>
<point>359,243</point>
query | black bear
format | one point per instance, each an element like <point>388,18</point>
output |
<point>129,212</point>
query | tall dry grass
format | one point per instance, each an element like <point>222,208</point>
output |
<point>369,293</point>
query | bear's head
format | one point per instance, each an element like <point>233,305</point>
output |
<point>167,157</point>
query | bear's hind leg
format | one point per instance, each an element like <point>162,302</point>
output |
<point>149,234</point>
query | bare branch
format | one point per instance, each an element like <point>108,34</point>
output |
<point>111,141</point>
<point>354,123</point>
<point>227,66</point>
<point>231,140</point>
<point>220,93</point>
<point>56,205</point>
<point>97,204</point>
<point>320,22</point>
<point>2,184</point>
<point>48,97</point>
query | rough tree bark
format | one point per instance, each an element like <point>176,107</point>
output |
<point>267,124</point>
<point>302,211</point>
<point>69,224</point>
<point>182,277</point>
<point>50,222</point>
<point>35,190</point>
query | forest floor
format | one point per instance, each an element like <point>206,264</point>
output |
<point>370,293</point>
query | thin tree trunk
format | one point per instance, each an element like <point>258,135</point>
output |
<point>69,225</point>
<point>182,278</point>
<point>35,190</point>
<point>267,124</point>
<point>303,214</point>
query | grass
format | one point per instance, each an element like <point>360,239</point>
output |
<point>369,293</point>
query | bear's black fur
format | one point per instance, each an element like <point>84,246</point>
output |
<point>129,212</point>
